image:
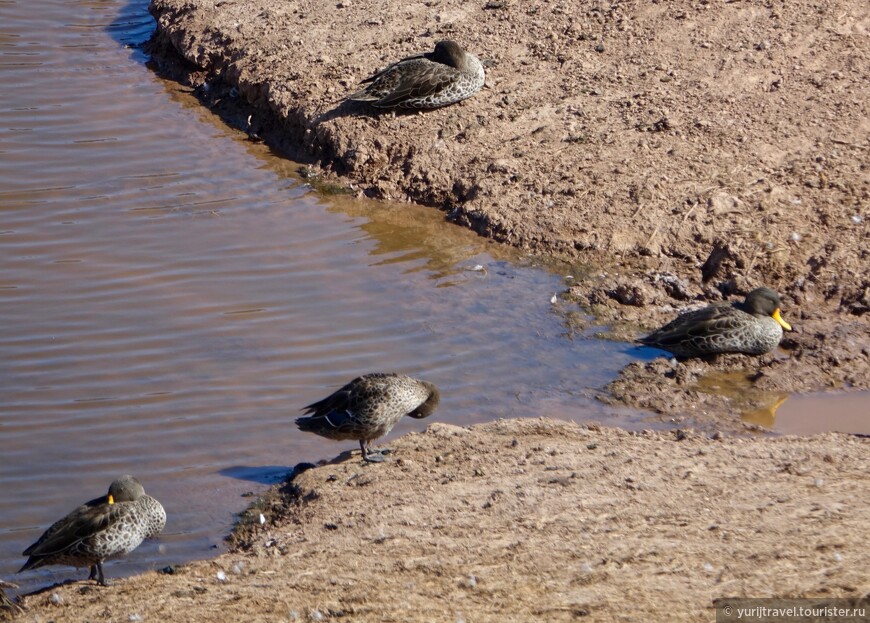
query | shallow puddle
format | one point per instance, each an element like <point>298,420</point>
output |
<point>818,413</point>
<point>806,414</point>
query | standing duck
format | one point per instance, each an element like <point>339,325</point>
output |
<point>431,80</point>
<point>753,327</point>
<point>102,529</point>
<point>368,407</point>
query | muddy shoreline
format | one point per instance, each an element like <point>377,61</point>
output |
<point>633,140</point>
<point>581,523</point>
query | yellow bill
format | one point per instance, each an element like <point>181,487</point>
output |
<point>779,319</point>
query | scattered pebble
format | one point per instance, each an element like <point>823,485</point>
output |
<point>262,519</point>
<point>315,615</point>
<point>708,567</point>
<point>134,617</point>
<point>237,568</point>
<point>221,576</point>
<point>56,599</point>
<point>795,237</point>
<point>472,581</point>
<point>819,482</point>
<point>586,568</point>
<point>838,557</point>
<point>856,218</point>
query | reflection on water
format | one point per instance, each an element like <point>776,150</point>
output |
<point>791,414</point>
<point>811,414</point>
<point>171,296</point>
<point>754,406</point>
<point>764,414</point>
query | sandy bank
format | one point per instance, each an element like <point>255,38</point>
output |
<point>527,520</point>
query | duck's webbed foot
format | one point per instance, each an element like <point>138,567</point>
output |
<point>371,455</point>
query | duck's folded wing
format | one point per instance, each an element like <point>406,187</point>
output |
<point>82,523</point>
<point>388,68</point>
<point>702,323</point>
<point>427,79</point>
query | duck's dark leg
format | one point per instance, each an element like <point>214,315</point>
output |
<point>93,575</point>
<point>369,455</point>
<point>101,579</point>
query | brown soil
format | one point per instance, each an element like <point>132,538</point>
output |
<point>526,520</point>
<point>639,138</point>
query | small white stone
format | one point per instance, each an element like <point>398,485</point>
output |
<point>708,567</point>
<point>795,237</point>
<point>838,557</point>
<point>315,615</point>
<point>135,618</point>
<point>856,218</point>
<point>56,599</point>
<point>586,567</point>
<point>262,519</point>
<point>221,576</point>
<point>472,581</point>
<point>237,568</point>
<point>819,482</point>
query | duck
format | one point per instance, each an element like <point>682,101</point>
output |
<point>102,529</point>
<point>444,76</point>
<point>368,407</point>
<point>753,327</point>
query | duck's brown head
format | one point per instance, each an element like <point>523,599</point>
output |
<point>125,489</point>
<point>765,302</point>
<point>426,409</point>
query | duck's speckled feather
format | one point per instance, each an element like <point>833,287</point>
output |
<point>369,406</point>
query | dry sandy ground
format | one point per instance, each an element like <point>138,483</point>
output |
<point>526,520</point>
<point>630,137</point>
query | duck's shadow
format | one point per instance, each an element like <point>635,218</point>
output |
<point>86,586</point>
<point>352,108</point>
<point>275,474</point>
<point>262,474</point>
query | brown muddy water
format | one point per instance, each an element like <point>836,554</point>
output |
<point>171,295</point>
